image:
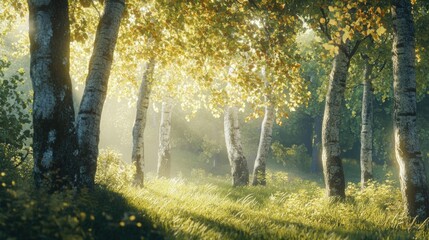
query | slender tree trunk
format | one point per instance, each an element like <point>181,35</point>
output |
<point>414,188</point>
<point>332,165</point>
<point>164,156</point>
<point>140,124</point>
<point>366,131</point>
<point>54,139</point>
<point>214,165</point>
<point>239,170</point>
<point>88,119</point>
<point>317,139</point>
<point>259,177</point>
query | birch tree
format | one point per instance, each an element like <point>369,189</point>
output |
<point>316,142</point>
<point>237,160</point>
<point>61,152</point>
<point>345,25</point>
<point>259,176</point>
<point>366,129</point>
<point>54,139</point>
<point>414,187</point>
<point>91,106</point>
<point>332,164</point>
<point>140,124</point>
<point>164,155</point>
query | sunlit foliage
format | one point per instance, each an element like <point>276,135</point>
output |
<point>291,157</point>
<point>14,117</point>
<point>210,54</point>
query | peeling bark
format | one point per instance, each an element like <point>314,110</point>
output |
<point>238,163</point>
<point>140,124</point>
<point>259,176</point>
<point>414,187</point>
<point>332,164</point>
<point>54,139</point>
<point>164,156</point>
<point>366,130</point>
<point>88,119</point>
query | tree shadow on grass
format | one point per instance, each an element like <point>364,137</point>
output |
<point>286,228</point>
<point>29,213</point>
<point>114,218</point>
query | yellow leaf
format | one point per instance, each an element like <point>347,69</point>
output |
<point>348,33</point>
<point>328,46</point>
<point>381,30</point>
<point>322,20</point>
<point>378,10</point>
<point>346,36</point>
<point>337,15</point>
<point>333,22</point>
<point>331,9</point>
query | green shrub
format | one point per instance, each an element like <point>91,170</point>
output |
<point>209,150</point>
<point>15,118</point>
<point>292,157</point>
<point>112,172</point>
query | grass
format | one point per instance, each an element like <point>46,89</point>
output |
<point>291,206</point>
<point>208,208</point>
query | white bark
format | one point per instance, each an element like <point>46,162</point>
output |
<point>259,176</point>
<point>332,165</point>
<point>414,188</point>
<point>88,119</point>
<point>366,130</point>
<point>238,163</point>
<point>54,139</point>
<point>164,155</point>
<point>140,123</point>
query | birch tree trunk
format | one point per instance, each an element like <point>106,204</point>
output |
<point>140,124</point>
<point>315,149</point>
<point>414,188</point>
<point>88,119</point>
<point>259,177</point>
<point>332,165</point>
<point>238,163</point>
<point>366,131</point>
<point>164,156</point>
<point>54,139</point>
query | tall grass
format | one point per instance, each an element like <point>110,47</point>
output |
<point>203,207</point>
<point>208,208</point>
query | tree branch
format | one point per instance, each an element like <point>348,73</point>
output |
<point>324,26</point>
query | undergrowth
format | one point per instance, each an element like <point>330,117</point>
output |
<point>203,207</point>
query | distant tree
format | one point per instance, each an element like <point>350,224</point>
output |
<point>164,150</point>
<point>367,123</point>
<point>373,65</point>
<point>140,123</point>
<point>259,175</point>
<point>239,169</point>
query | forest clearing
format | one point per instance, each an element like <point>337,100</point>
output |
<point>206,207</point>
<point>214,119</point>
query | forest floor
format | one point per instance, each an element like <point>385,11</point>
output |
<point>207,207</point>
